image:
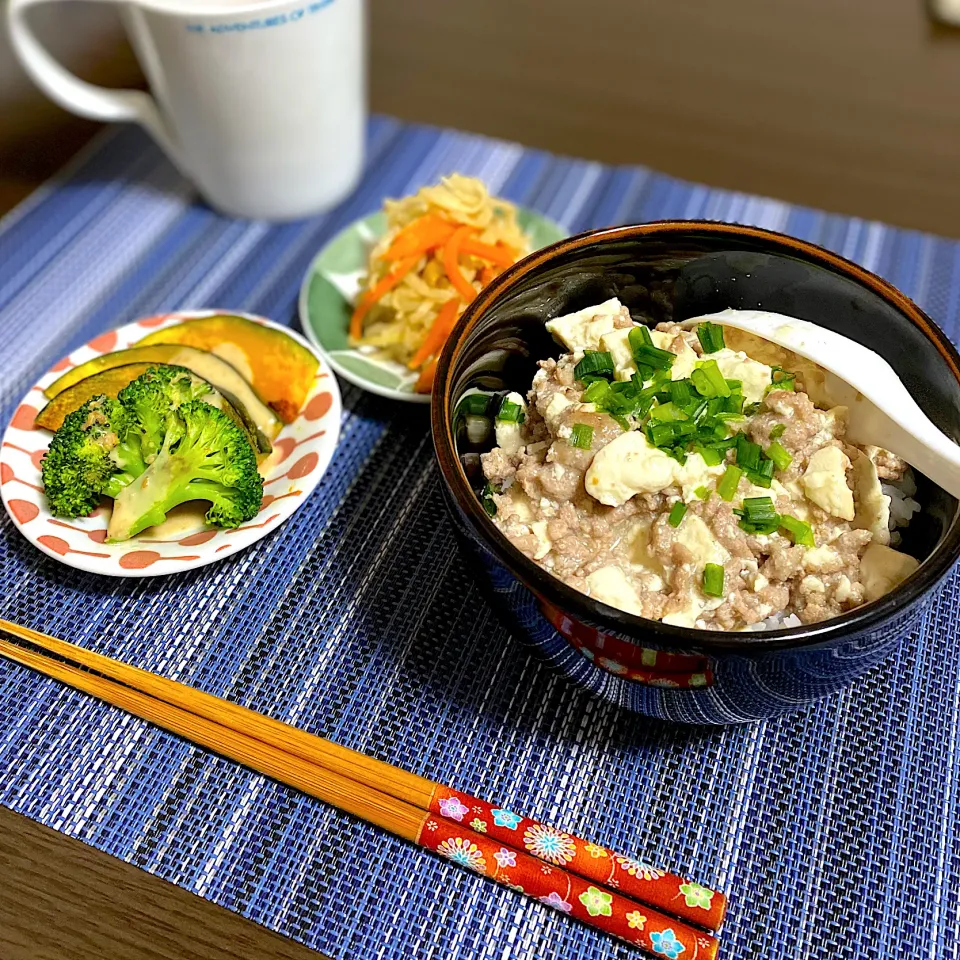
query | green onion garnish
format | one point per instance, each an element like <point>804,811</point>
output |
<point>702,493</point>
<point>594,362</point>
<point>486,498</point>
<point>748,453</point>
<point>510,412</point>
<point>582,436</point>
<point>779,455</point>
<point>713,580</point>
<point>782,380</point>
<point>710,336</point>
<point>677,512</point>
<point>660,434</point>
<point>758,509</point>
<point>712,457</point>
<point>750,409</point>
<point>474,405</point>
<point>778,431</point>
<point>680,392</point>
<point>727,487</point>
<point>667,411</point>
<point>758,515</point>
<point>639,337</point>
<point>596,392</point>
<point>797,530</point>
<point>762,476</point>
<point>709,381</point>
<point>650,356</point>
<point>733,403</point>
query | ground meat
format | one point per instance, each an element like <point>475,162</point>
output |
<point>783,561</point>
<point>725,526</point>
<point>498,467</point>
<point>546,512</point>
<point>803,427</point>
<point>889,465</point>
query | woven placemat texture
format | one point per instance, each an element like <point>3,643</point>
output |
<point>834,831</point>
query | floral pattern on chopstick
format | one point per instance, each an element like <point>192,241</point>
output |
<point>573,895</point>
<point>633,878</point>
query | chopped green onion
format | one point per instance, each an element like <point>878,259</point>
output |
<point>709,381</point>
<point>678,454</point>
<point>758,515</point>
<point>713,580</point>
<point>750,409</point>
<point>619,403</point>
<point>702,493</point>
<point>733,403</point>
<point>654,357</point>
<point>763,527</point>
<point>486,498</point>
<point>582,436</point>
<point>660,434</point>
<point>510,412</point>
<point>474,405</point>
<point>712,457</point>
<point>779,455</point>
<point>677,512</point>
<point>782,380</point>
<point>710,336</point>
<point>639,337</point>
<point>778,431</point>
<point>762,474</point>
<point>680,392</point>
<point>667,411</point>
<point>727,487</point>
<point>594,362</point>
<point>797,530</point>
<point>748,453</point>
<point>758,509</point>
<point>596,392</point>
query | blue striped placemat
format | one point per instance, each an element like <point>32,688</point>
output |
<point>835,831</point>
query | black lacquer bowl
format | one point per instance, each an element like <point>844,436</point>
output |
<point>676,270</point>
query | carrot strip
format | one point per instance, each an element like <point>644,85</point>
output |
<point>372,296</point>
<point>438,332</point>
<point>487,274</point>
<point>424,382</point>
<point>451,254</point>
<point>420,236</point>
<point>496,253</point>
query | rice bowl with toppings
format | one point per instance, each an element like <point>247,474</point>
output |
<point>691,474</point>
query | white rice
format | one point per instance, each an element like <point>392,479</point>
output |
<point>902,504</point>
<point>775,622</point>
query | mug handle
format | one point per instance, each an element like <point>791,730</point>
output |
<point>78,96</point>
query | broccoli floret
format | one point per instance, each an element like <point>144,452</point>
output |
<point>203,456</point>
<point>149,398</point>
<point>94,453</point>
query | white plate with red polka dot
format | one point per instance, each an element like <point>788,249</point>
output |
<point>301,454</point>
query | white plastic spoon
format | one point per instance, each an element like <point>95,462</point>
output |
<point>882,412</point>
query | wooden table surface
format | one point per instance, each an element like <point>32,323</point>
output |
<point>852,107</point>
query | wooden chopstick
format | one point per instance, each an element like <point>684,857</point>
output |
<point>661,889</point>
<point>277,749</point>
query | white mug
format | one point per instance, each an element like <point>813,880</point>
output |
<point>261,104</point>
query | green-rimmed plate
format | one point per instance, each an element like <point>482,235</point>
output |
<point>331,284</point>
